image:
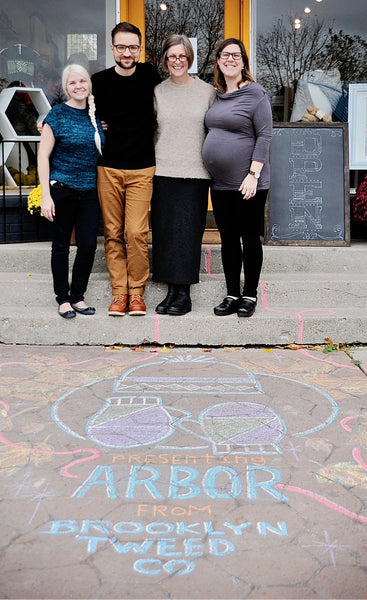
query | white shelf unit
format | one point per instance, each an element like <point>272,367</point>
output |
<point>41,105</point>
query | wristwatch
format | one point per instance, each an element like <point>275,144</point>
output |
<point>256,174</point>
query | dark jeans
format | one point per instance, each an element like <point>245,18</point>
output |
<point>240,223</point>
<point>80,209</point>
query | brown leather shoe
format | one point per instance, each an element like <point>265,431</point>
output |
<point>137,305</point>
<point>119,305</point>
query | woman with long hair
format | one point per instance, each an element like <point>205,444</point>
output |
<point>71,141</point>
<point>236,154</point>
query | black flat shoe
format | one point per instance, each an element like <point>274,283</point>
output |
<point>84,311</point>
<point>68,314</point>
<point>181,303</point>
<point>162,307</point>
<point>227,307</point>
<point>246,308</point>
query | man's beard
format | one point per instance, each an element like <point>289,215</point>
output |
<point>122,66</point>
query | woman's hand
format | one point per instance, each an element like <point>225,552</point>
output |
<point>48,208</point>
<point>44,152</point>
<point>248,187</point>
<point>104,125</point>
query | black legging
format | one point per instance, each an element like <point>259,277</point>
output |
<point>79,208</point>
<point>240,223</point>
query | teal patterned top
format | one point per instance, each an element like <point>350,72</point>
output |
<point>73,160</point>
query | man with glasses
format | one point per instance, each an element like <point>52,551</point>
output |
<point>124,100</point>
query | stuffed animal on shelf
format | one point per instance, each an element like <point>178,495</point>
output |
<point>28,178</point>
<point>315,115</point>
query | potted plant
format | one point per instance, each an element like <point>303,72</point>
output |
<point>35,200</point>
<point>359,209</point>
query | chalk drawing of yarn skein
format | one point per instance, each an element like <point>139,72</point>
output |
<point>127,422</point>
<point>253,428</point>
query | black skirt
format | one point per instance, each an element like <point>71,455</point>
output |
<point>178,218</point>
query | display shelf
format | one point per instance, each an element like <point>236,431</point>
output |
<point>33,105</point>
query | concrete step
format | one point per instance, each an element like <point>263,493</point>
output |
<point>278,290</point>
<point>198,328</point>
<point>300,308</point>
<point>306,294</point>
<point>34,257</point>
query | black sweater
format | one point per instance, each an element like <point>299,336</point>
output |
<point>125,103</point>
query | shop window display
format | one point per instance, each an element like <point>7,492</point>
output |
<point>37,39</point>
<point>307,53</point>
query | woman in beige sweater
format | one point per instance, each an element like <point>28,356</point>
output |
<point>181,182</point>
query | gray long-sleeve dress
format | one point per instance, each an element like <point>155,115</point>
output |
<point>240,131</point>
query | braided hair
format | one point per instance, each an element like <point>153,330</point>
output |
<point>91,105</point>
<point>92,116</point>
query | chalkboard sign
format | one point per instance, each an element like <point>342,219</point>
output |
<point>308,201</point>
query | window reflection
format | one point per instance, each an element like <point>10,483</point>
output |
<point>307,53</point>
<point>85,43</point>
<point>38,38</point>
<point>202,21</point>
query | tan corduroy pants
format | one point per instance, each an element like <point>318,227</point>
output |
<point>124,197</point>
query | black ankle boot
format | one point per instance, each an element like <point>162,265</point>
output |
<point>161,308</point>
<point>182,301</point>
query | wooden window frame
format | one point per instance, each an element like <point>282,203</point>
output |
<point>236,18</point>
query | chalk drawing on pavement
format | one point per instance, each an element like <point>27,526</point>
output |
<point>328,546</point>
<point>152,403</point>
<point>350,473</point>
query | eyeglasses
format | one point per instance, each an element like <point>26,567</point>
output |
<point>121,49</point>
<point>235,55</point>
<point>182,58</point>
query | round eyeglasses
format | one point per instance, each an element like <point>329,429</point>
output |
<point>182,58</point>
<point>235,55</point>
<point>121,49</point>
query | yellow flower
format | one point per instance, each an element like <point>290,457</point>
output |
<point>35,200</point>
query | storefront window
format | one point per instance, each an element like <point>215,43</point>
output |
<point>307,52</point>
<point>38,38</point>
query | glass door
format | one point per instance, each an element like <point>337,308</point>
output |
<point>202,21</point>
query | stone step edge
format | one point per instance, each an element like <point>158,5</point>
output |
<point>45,278</point>
<point>198,312</point>
<point>238,332</point>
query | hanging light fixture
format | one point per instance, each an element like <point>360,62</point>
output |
<point>163,6</point>
<point>307,10</point>
<point>297,23</point>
